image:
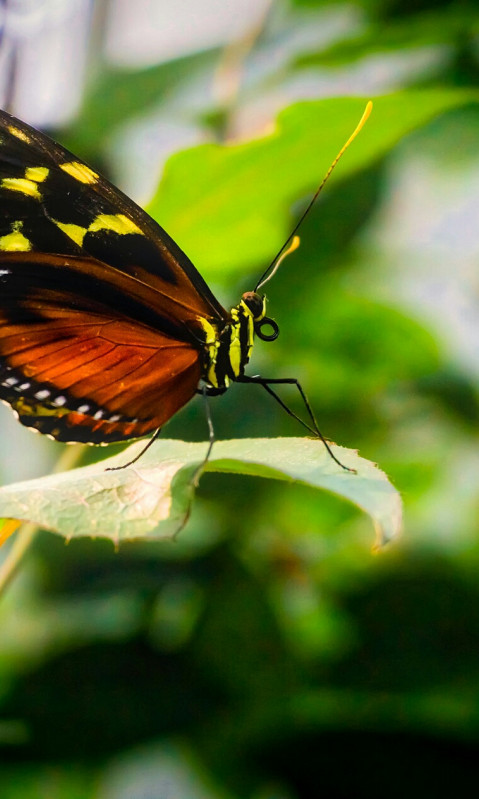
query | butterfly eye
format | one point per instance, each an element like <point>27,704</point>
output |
<point>255,303</point>
<point>266,322</point>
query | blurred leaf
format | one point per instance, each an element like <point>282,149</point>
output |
<point>332,709</point>
<point>153,500</point>
<point>399,35</point>
<point>12,732</point>
<point>158,770</point>
<point>454,391</point>
<point>34,628</point>
<point>354,345</point>
<point>226,205</point>
<point>30,781</point>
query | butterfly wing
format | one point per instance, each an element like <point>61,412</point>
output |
<point>50,201</point>
<point>98,305</point>
<point>73,365</point>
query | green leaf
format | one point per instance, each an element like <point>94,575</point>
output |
<point>227,205</point>
<point>152,498</point>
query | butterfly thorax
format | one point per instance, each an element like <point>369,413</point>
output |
<point>227,350</point>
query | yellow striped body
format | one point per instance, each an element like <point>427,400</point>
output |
<point>227,351</point>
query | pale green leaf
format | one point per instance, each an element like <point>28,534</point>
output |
<point>152,498</point>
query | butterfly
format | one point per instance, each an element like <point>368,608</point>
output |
<point>106,327</point>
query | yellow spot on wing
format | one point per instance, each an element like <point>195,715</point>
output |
<point>80,172</point>
<point>19,134</point>
<point>27,407</point>
<point>15,242</point>
<point>36,173</point>
<point>22,185</point>
<point>74,232</point>
<point>118,223</point>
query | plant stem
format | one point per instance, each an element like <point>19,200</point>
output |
<point>28,531</point>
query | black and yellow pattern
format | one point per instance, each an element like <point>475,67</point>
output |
<point>106,327</point>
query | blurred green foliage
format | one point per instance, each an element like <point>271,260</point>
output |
<point>266,652</point>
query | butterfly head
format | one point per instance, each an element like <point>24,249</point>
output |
<point>256,304</point>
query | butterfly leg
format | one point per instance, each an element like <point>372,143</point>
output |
<point>292,381</point>
<point>137,457</point>
<point>205,393</point>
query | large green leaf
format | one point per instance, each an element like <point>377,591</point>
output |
<point>226,205</point>
<point>152,498</point>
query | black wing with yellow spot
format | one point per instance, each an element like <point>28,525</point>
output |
<point>50,201</point>
<point>98,305</point>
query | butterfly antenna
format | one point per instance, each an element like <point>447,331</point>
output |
<point>272,268</point>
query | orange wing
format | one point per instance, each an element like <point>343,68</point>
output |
<point>74,367</point>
